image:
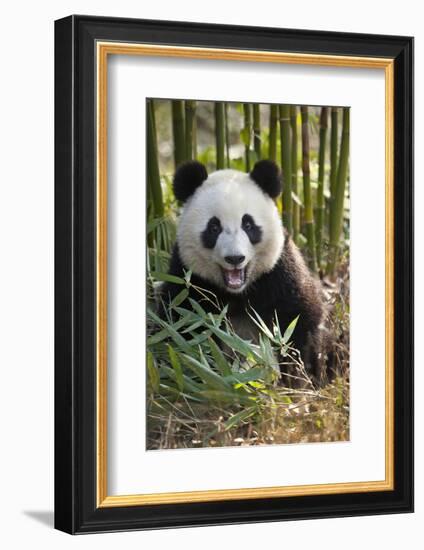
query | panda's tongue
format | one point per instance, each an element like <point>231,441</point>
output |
<point>234,278</point>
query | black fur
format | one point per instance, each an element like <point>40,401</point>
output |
<point>289,290</point>
<point>253,231</point>
<point>267,175</point>
<point>188,177</point>
<point>210,235</point>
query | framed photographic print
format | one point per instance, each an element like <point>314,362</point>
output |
<point>234,269</point>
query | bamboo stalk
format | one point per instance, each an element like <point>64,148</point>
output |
<point>178,131</point>
<point>273,122</point>
<point>339,197</point>
<point>320,194</point>
<point>190,119</point>
<point>227,136</point>
<point>333,162</point>
<point>153,174</point>
<point>195,138</point>
<point>257,130</point>
<point>286,166</point>
<point>152,115</point>
<point>220,134</point>
<point>294,149</point>
<point>309,213</point>
<point>247,131</point>
<point>151,129</point>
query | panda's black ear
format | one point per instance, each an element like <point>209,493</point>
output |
<point>188,177</point>
<point>267,175</point>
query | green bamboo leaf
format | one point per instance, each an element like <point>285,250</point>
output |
<point>227,397</point>
<point>260,324</point>
<point>253,374</point>
<point>235,343</point>
<point>164,333</point>
<point>179,298</point>
<point>194,342</point>
<point>198,308</point>
<point>193,326</point>
<point>158,337</point>
<point>189,384</point>
<point>217,319</point>
<point>184,311</point>
<point>239,417</point>
<point>165,388</point>
<point>153,224</point>
<point>152,372</point>
<point>187,276</point>
<point>166,277</point>
<point>219,358</point>
<point>257,385</point>
<point>289,330</point>
<point>267,351</point>
<point>276,329</point>
<point>178,339</point>
<point>208,376</point>
<point>176,365</point>
<point>161,254</point>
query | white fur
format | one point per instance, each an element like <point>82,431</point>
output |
<point>228,195</point>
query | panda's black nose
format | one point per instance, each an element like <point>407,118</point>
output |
<point>234,260</point>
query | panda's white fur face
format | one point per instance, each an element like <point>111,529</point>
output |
<point>230,231</point>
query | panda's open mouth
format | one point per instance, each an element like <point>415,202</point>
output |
<point>234,278</point>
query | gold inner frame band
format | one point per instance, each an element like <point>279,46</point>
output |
<point>104,49</point>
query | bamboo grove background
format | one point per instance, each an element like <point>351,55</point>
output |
<point>206,386</point>
<point>310,144</point>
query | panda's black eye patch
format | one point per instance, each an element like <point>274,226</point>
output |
<point>253,231</point>
<point>210,235</point>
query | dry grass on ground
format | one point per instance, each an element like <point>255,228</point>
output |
<point>307,419</point>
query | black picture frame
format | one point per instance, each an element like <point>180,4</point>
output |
<point>76,508</point>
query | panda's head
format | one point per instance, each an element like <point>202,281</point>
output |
<point>230,231</point>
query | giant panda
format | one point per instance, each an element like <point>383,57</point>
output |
<point>230,236</point>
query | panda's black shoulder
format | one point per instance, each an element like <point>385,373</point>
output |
<point>289,286</point>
